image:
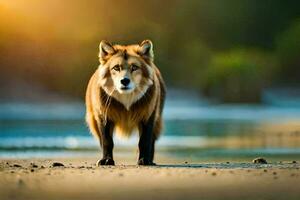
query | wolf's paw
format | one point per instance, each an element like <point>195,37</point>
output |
<point>143,161</point>
<point>105,161</point>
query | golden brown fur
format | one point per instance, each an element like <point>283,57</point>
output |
<point>126,111</point>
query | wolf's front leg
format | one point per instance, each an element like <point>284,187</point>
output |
<point>146,142</point>
<point>107,144</point>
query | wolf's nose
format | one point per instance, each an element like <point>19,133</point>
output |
<point>125,81</point>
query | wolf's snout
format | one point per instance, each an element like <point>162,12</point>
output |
<point>125,81</point>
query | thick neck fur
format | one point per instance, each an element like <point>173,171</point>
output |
<point>127,100</point>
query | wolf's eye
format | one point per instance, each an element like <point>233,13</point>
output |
<point>116,68</point>
<point>134,67</point>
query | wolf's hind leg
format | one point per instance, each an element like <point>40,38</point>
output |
<point>152,151</point>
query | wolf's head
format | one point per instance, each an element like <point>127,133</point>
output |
<point>126,72</point>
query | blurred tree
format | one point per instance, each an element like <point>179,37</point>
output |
<point>288,53</point>
<point>53,44</point>
<point>238,75</point>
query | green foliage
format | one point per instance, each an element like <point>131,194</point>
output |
<point>193,58</point>
<point>238,75</point>
<point>54,44</point>
<point>288,53</point>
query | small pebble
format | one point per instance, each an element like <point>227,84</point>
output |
<point>260,161</point>
<point>32,170</point>
<point>274,173</point>
<point>265,170</point>
<point>227,162</point>
<point>57,164</point>
<point>33,165</point>
<point>294,162</point>
<point>21,182</point>
<point>214,173</point>
<point>186,162</point>
<point>17,165</point>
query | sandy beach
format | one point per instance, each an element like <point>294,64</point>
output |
<point>79,178</point>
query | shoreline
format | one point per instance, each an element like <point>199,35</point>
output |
<point>81,179</point>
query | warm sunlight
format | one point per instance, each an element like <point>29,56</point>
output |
<point>131,99</point>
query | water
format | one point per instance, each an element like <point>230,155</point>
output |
<point>194,130</point>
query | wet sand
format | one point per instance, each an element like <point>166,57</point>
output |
<point>79,178</point>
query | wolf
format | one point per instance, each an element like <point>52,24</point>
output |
<point>126,93</point>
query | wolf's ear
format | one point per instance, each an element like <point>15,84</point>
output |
<point>105,49</point>
<point>146,49</point>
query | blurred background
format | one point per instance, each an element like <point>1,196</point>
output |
<point>232,69</point>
